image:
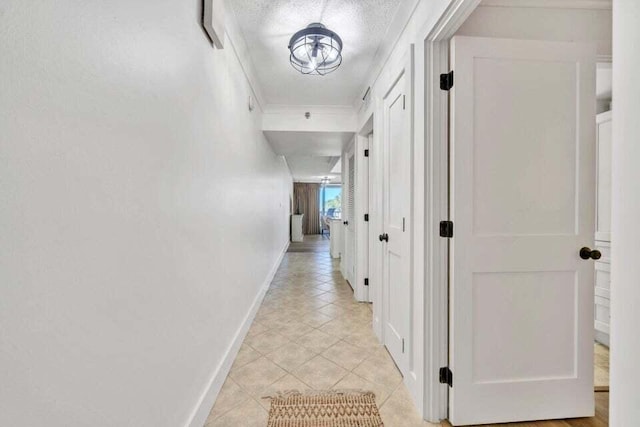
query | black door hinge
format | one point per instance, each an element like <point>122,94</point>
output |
<point>446,229</point>
<point>366,153</point>
<point>366,281</point>
<point>404,102</point>
<point>366,217</point>
<point>446,376</point>
<point>403,345</point>
<point>446,80</point>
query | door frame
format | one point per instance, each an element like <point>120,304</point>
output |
<point>435,105</point>
<point>432,106</point>
<point>362,228</point>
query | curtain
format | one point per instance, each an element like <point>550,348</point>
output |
<point>306,201</point>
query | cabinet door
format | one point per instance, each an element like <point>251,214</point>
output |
<point>603,188</point>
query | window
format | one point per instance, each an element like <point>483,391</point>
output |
<point>331,201</point>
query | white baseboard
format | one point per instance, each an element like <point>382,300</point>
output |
<point>208,397</point>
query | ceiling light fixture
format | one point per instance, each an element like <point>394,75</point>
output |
<point>325,181</point>
<point>315,50</point>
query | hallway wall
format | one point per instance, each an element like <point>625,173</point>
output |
<point>142,211</point>
<point>625,240</point>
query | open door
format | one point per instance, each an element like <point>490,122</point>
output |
<point>522,174</point>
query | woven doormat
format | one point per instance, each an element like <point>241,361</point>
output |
<point>324,409</point>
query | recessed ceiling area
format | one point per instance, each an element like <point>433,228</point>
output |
<point>267,26</point>
<point>311,156</point>
<point>313,168</point>
<point>290,143</point>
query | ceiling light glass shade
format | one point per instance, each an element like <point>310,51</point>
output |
<point>315,50</point>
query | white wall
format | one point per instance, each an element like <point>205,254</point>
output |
<point>141,211</point>
<point>625,292</point>
<point>413,23</point>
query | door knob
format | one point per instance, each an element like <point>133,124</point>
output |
<point>384,237</point>
<point>345,222</point>
<point>586,253</point>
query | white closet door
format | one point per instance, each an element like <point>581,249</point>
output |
<point>396,194</point>
<point>351,223</point>
<point>522,203</point>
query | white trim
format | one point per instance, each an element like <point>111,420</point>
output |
<point>552,4</point>
<point>376,220</point>
<point>209,395</point>
<point>436,53</point>
<point>361,226</point>
<point>317,109</point>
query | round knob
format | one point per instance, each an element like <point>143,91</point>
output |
<point>345,222</point>
<point>587,253</point>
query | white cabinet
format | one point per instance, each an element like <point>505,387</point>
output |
<point>296,228</point>
<point>336,237</point>
<point>602,287</point>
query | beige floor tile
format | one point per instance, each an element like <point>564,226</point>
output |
<point>317,340</point>
<point>284,384</point>
<point>332,310</point>
<point>230,396</point>
<point>257,375</point>
<point>364,340</point>
<point>355,382</point>
<point>294,330</point>
<point>340,328</point>
<point>248,414</point>
<point>245,355</point>
<point>266,342</point>
<point>320,373</point>
<point>346,355</point>
<point>291,355</point>
<point>379,372</point>
<point>256,328</point>
<point>328,297</point>
<point>315,319</point>
<point>399,411</point>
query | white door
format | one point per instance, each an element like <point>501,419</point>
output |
<point>396,193</point>
<point>522,203</point>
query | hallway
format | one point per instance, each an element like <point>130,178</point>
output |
<point>310,334</point>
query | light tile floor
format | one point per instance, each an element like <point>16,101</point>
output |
<point>310,334</point>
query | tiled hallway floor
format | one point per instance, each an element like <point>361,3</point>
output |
<point>310,334</point>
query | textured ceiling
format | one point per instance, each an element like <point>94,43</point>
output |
<point>267,26</point>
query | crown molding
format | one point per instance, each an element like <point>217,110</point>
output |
<point>552,4</point>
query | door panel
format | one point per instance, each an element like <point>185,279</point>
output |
<point>522,179</point>
<point>396,221</point>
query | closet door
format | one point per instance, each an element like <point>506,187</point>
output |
<point>522,205</point>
